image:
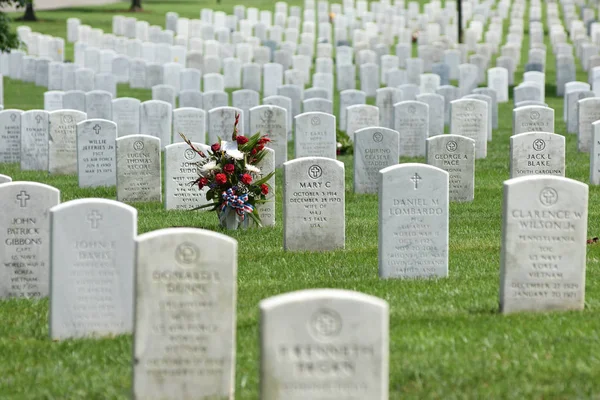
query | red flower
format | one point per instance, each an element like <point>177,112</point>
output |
<point>247,179</point>
<point>264,189</point>
<point>215,147</point>
<point>253,152</point>
<point>204,181</point>
<point>221,178</point>
<point>263,140</point>
<point>229,168</point>
<point>242,140</point>
<point>260,147</point>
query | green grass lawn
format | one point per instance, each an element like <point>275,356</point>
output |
<point>447,339</point>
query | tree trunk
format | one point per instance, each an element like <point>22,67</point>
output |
<point>136,5</point>
<point>29,13</point>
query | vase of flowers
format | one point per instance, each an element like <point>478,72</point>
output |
<point>235,185</point>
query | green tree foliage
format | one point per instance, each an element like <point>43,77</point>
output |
<point>8,38</point>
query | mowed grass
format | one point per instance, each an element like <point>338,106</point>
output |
<point>447,339</point>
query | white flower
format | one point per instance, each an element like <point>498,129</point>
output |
<point>209,166</point>
<point>231,150</point>
<point>252,168</point>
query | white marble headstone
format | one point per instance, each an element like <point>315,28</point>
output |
<point>25,238</point>
<point>92,268</point>
<point>413,221</point>
<point>185,315</point>
<point>543,254</point>
<point>138,168</point>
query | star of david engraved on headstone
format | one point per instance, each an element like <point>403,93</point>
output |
<point>23,197</point>
<point>94,217</point>
<point>415,179</point>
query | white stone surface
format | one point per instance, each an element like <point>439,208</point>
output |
<point>315,135</point>
<point>375,148</point>
<point>296,326</point>
<point>62,154</point>
<point>10,136</point>
<point>138,169</point>
<point>92,268</point>
<point>180,171</point>
<point>537,153</point>
<point>313,204</point>
<point>34,140</point>
<point>413,221</point>
<point>543,254</point>
<point>190,275</point>
<point>454,154</point>
<point>96,153</point>
<point>25,238</point>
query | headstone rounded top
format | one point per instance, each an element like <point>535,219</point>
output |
<point>89,201</point>
<point>545,180</point>
<point>406,166</point>
<point>312,159</point>
<point>303,296</point>
<point>184,231</point>
<point>8,185</point>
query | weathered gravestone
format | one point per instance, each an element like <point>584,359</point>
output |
<point>165,93</point>
<point>498,81</point>
<point>155,120</point>
<point>533,119</point>
<point>595,154</point>
<point>180,171</point>
<point>589,112</point>
<point>96,152</point>
<point>537,153</point>
<point>454,154</point>
<point>349,98</point>
<point>413,221</point>
<point>53,100</point>
<point>185,274</point>
<point>62,135</point>
<point>436,112</point>
<point>221,121</point>
<point>191,122</point>
<point>488,101</point>
<point>375,148</point>
<point>313,205</point>
<point>25,238</point>
<point>572,107</point>
<point>411,121</point>
<point>126,114</point>
<point>215,99</point>
<point>92,268</point>
<point>355,324</point>
<point>360,116</point>
<point>34,140</point>
<point>190,98</point>
<point>266,210</point>
<point>74,100</point>
<point>10,136</point>
<point>315,135</point>
<point>138,169</point>
<point>98,104</point>
<point>271,121</point>
<point>543,255</point>
<point>468,117</point>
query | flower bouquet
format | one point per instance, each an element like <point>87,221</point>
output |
<point>235,185</point>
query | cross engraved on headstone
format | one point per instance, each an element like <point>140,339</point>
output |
<point>38,119</point>
<point>97,128</point>
<point>13,117</point>
<point>23,197</point>
<point>94,217</point>
<point>416,180</point>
